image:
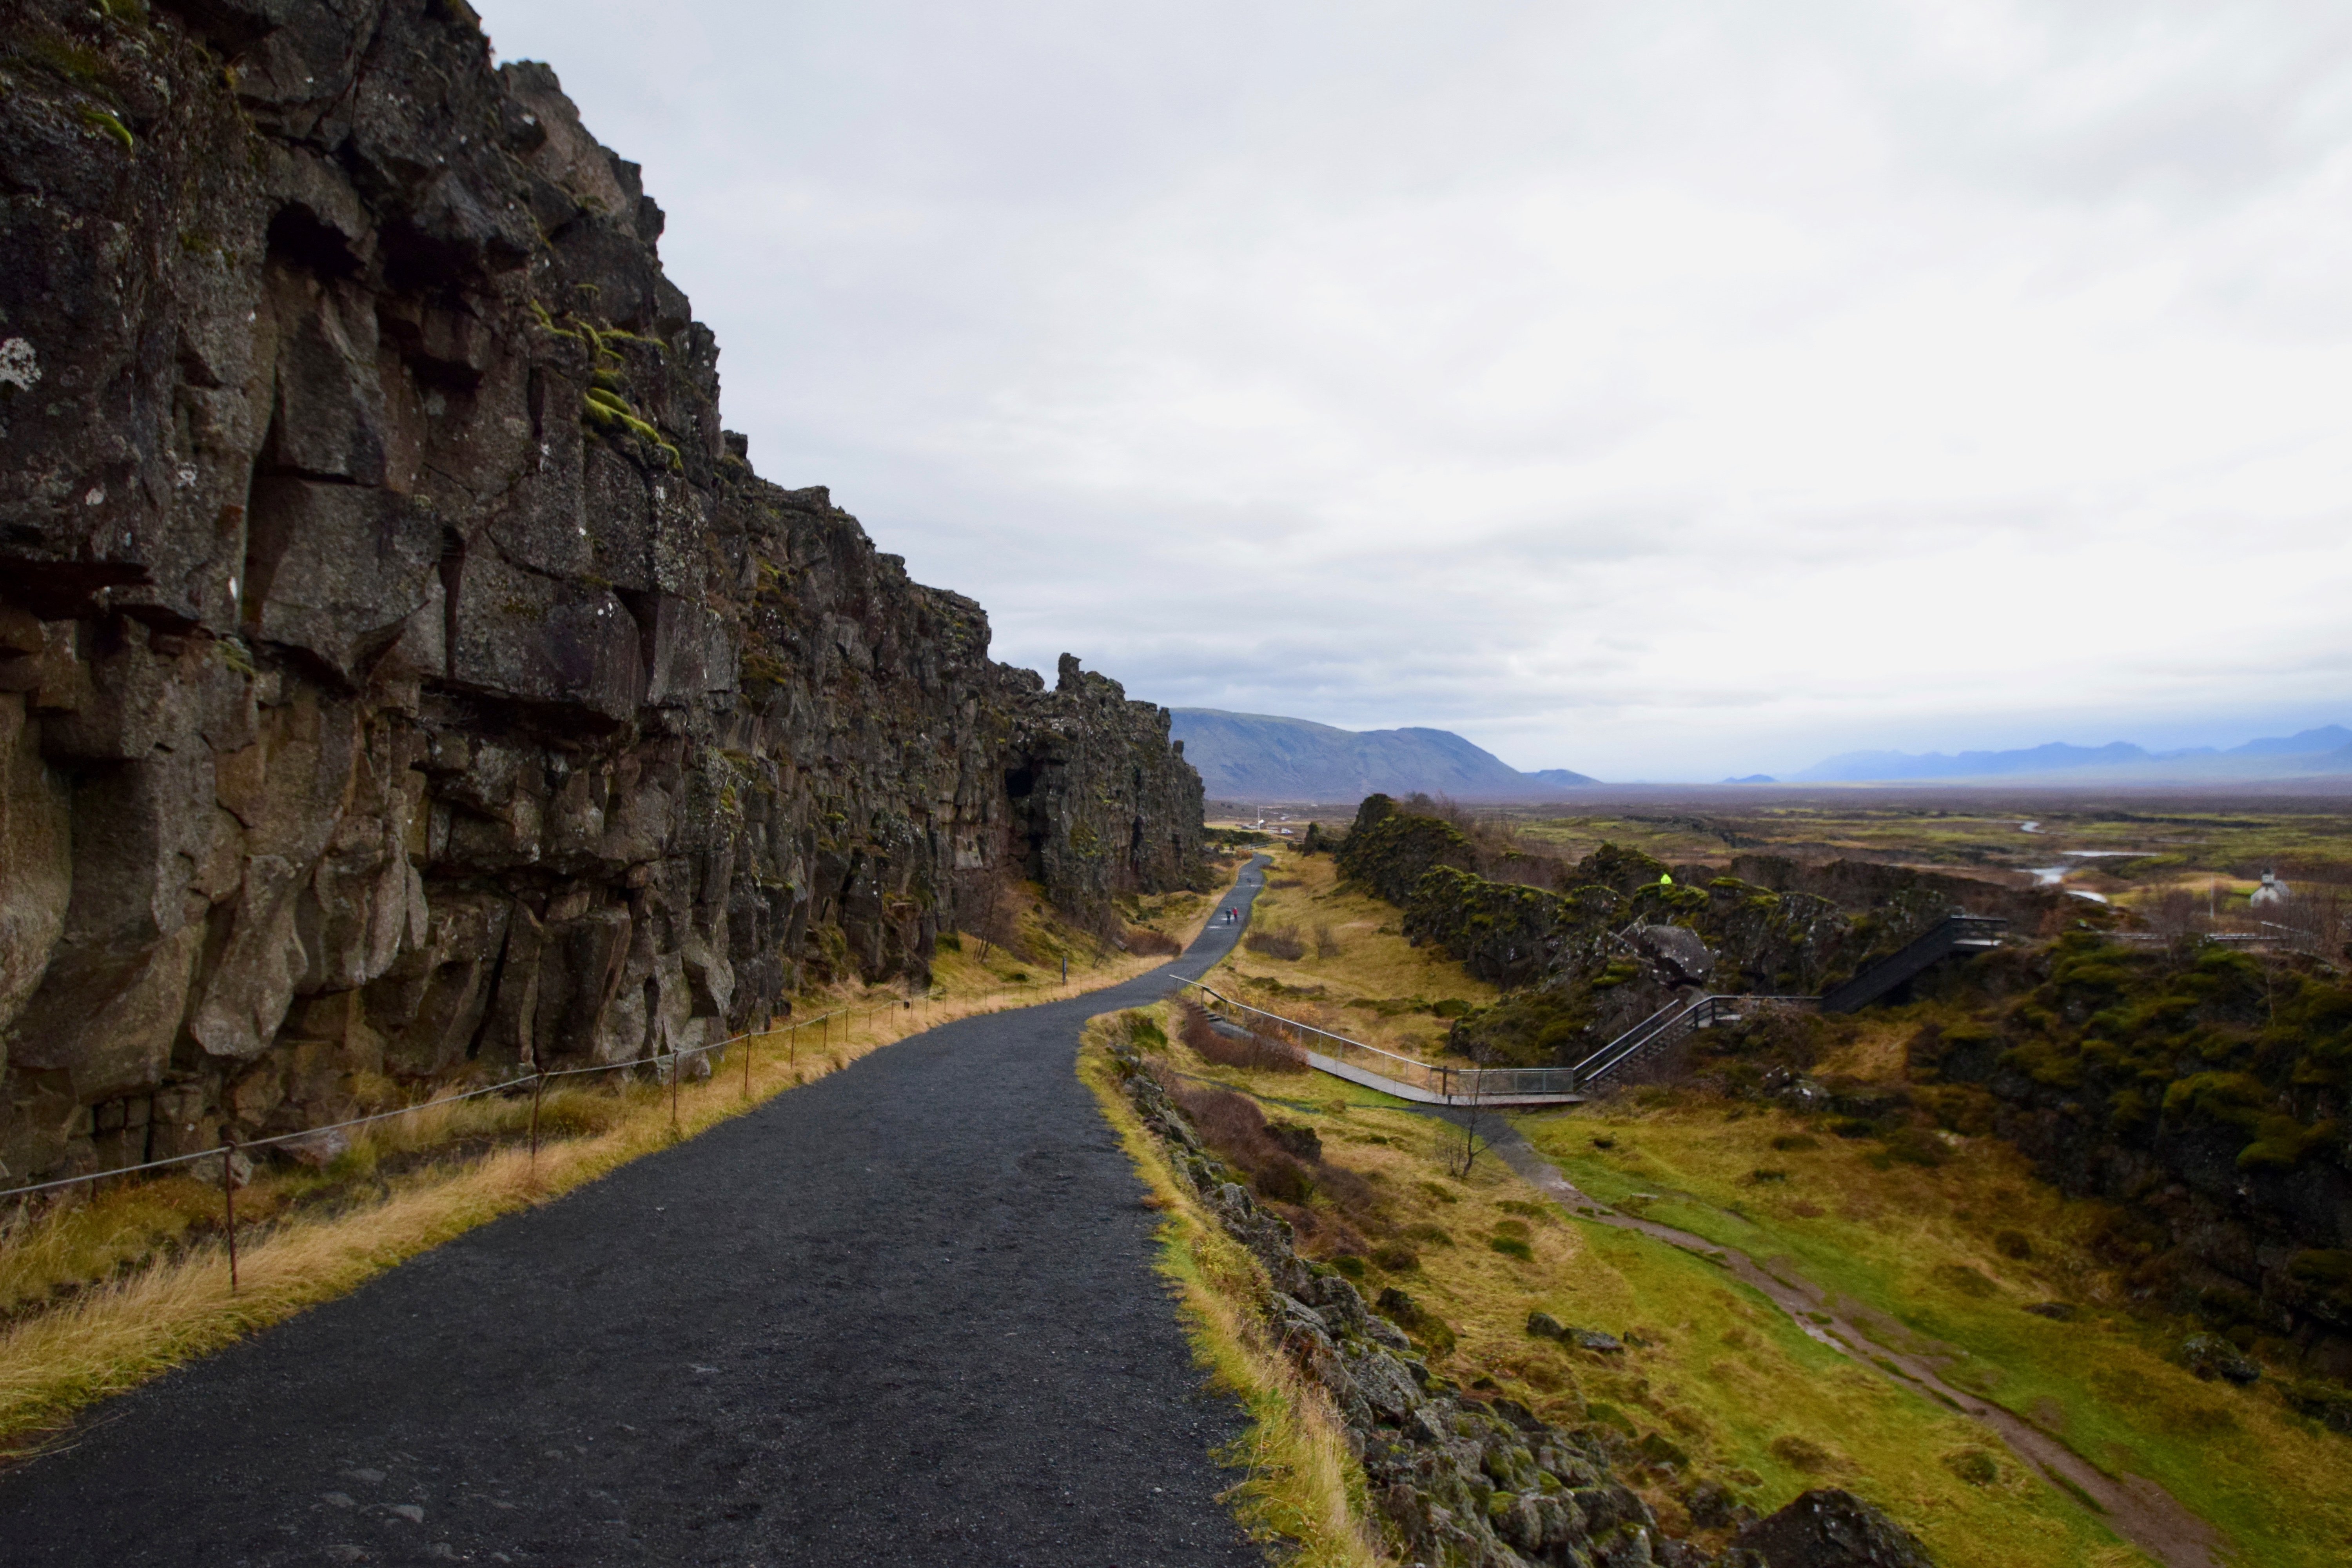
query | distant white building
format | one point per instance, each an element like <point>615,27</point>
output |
<point>2271,891</point>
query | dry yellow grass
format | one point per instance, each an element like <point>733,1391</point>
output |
<point>1374,987</point>
<point>111,1288</point>
<point>1300,1486</point>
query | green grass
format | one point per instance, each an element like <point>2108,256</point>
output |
<point>2191,838</point>
<point>1916,1250</point>
<point>1720,1373</point>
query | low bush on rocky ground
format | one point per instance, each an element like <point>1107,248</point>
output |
<point>1230,1046</point>
<point>1276,942</point>
<point>1143,939</point>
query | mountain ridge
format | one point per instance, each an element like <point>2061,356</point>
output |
<point>2322,750</point>
<point>1268,756</point>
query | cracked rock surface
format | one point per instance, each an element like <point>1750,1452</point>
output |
<point>402,676</point>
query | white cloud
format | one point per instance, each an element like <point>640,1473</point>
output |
<point>1663,390</point>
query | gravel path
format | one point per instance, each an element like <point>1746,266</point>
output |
<point>905,1315</point>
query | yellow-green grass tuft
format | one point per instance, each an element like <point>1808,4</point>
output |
<point>1300,1489</point>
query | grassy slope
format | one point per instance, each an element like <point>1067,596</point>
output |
<point>113,1286</point>
<point>1377,988</point>
<point>1724,1375</point>
<point>1919,1248</point>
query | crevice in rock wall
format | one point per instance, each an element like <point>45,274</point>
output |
<point>402,673</point>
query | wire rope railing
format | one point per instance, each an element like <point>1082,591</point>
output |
<point>670,1064</point>
<point>1443,1082</point>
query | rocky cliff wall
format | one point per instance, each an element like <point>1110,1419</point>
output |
<point>402,674</point>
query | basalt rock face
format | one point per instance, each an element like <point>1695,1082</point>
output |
<point>402,675</point>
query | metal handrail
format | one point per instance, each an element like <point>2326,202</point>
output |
<point>1453,1085</point>
<point>1673,1023</point>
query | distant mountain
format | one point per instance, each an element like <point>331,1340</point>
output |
<point>1259,756</point>
<point>1754,778</point>
<point>2319,752</point>
<point>2302,743</point>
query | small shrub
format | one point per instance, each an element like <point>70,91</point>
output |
<point>1143,939</point>
<point>1430,1234</point>
<point>1244,1051</point>
<point>1396,1258</point>
<point>1763,1175</point>
<point>1301,1142</point>
<point>1808,1458</point>
<point>1281,944</point>
<point>1326,944</point>
<point>1787,1141</point>
<point>1658,1449</point>
<point>1145,1032</point>
<point>1512,1247</point>
<point>1350,1264</point>
<point>2013,1244</point>
<point>1960,1277</point>
<point>1973,1466</point>
<point>949,942</point>
<point>1852,1127</point>
<point>1284,1181</point>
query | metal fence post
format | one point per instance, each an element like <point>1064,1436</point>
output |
<point>228,1199</point>
<point>538,1085</point>
<point>677,1070</point>
<point>746,1066</point>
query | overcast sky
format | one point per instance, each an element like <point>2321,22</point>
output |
<point>1660,390</point>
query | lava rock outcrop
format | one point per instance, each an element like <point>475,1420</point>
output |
<point>402,674</point>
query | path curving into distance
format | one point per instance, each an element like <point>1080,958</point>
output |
<point>906,1314</point>
<point>2135,1507</point>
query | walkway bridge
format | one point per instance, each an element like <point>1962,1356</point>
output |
<point>1430,1083</point>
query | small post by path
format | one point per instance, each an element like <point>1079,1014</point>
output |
<point>229,1198</point>
<point>677,1064</point>
<point>747,1065</point>
<point>538,1087</point>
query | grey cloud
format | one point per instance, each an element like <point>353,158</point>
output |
<point>1679,387</point>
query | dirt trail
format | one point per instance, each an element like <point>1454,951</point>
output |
<point>2135,1507</point>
